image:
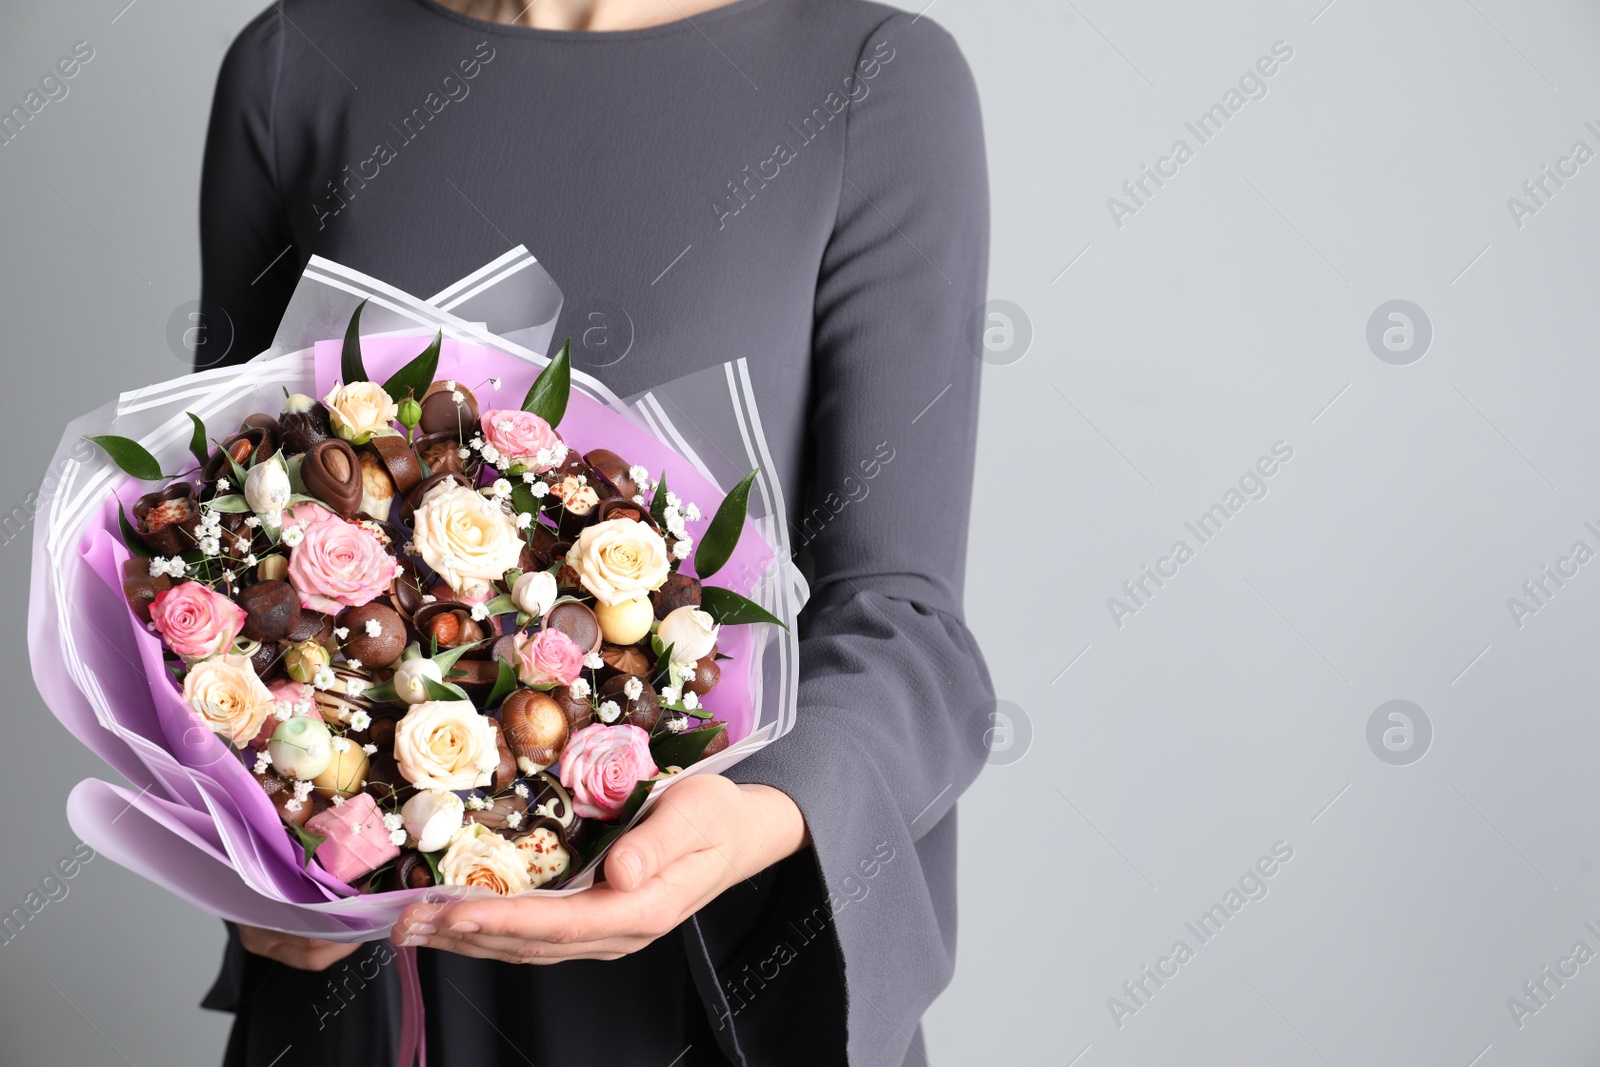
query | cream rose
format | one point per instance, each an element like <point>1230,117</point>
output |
<point>225,692</point>
<point>479,856</point>
<point>465,538</point>
<point>445,744</point>
<point>619,560</point>
<point>359,410</point>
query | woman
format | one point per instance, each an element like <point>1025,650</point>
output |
<point>798,182</point>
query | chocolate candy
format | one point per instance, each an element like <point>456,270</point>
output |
<point>355,841</point>
<point>476,676</point>
<point>535,729</point>
<point>706,676</point>
<point>332,474</point>
<point>613,472</point>
<point>139,588</point>
<point>410,871</point>
<point>313,626</point>
<point>399,461</point>
<point>299,430</point>
<point>271,610</point>
<point>538,552</point>
<point>497,815</point>
<point>442,414</point>
<point>579,713</point>
<point>385,783</point>
<point>343,699</point>
<point>253,444</point>
<point>643,711</point>
<point>377,488</point>
<point>622,508</point>
<point>678,591</point>
<point>262,421</point>
<point>280,791</point>
<point>167,519</point>
<point>505,772</point>
<point>441,452</point>
<point>576,620</point>
<point>448,623</point>
<point>377,635</point>
<point>627,659</point>
<point>717,743</point>
<point>548,859</point>
<point>414,498</point>
<point>405,592</point>
<point>267,659</point>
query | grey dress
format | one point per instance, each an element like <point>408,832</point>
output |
<point>798,182</point>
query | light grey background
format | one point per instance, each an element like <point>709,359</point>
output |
<point>1231,712</point>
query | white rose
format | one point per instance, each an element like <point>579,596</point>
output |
<point>691,632</point>
<point>225,692</point>
<point>467,540</point>
<point>479,856</point>
<point>534,592</point>
<point>432,817</point>
<point>445,744</point>
<point>409,685</point>
<point>359,410</point>
<point>619,560</point>
<point>266,488</point>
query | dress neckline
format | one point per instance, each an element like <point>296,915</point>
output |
<point>590,36</point>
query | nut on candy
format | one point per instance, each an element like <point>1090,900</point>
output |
<point>377,488</point>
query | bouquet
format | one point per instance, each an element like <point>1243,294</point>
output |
<point>438,619</point>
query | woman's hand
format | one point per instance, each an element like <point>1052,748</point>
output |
<point>292,950</point>
<point>703,836</point>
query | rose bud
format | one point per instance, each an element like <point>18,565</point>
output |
<point>167,519</point>
<point>635,698</point>
<point>534,592</point>
<point>410,683</point>
<point>377,488</point>
<point>691,632</point>
<point>432,817</point>
<point>706,676</point>
<point>345,772</point>
<point>304,659</point>
<point>271,610</point>
<point>301,748</point>
<point>535,729</point>
<point>377,634</point>
<point>266,490</point>
<point>139,587</point>
<point>627,622</point>
<point>679,591</point>
<point>410,413</point>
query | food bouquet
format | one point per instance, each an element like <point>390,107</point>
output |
<point>401,607</point>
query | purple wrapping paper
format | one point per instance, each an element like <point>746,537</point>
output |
<point>195,820</point>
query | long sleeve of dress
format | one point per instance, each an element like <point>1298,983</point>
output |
<point>894,694</point>
<point>248,265</point>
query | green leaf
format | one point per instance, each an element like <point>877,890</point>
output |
<point>350,364</point>
<point>664,660</point>
<point>681,750</point>
<point>308,841</point>
<point>523,500</point>
<point>447,659</point>
<point>501,605</point>
<point>504,685</point>
<point>416,376</point>
<point>197,443</point>
<point>130,456</point>
<point>658,502</point>
<point>722,536</point>
<point>433,865</point>
<point>382,693</point>
<point>728,607</point>
<point>130,536</point>
<point>232,504</point>
<point>444,690</point>
<point>547,397</point>
<point>610,832</point>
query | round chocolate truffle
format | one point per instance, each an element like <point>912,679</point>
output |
<point>377,634</point>
<point>271,610</point>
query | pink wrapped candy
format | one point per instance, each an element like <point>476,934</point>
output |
<point>357,840</point>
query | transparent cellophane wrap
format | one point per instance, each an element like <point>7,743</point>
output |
<point>194,819</point>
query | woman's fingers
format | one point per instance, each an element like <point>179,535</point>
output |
<point>679,825</point>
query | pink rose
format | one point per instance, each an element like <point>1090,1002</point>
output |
<point>308,513</point>
<point>339,565</point>
<point>194,621</point>
<point>519,435</point>
<point>548,658</point>
<point>601,766</point>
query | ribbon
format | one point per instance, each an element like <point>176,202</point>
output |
<point>413,1046</point>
